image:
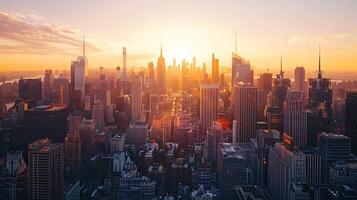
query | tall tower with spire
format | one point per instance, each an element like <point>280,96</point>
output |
<point>320,98</point>
<point>161,73</point>
<point>241,69</point>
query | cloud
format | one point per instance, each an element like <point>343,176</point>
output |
<point>20,35</point>
<point>303,39</point>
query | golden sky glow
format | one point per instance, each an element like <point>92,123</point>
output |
<point>47,34</point>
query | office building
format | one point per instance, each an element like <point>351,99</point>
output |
<point>30,91</point>
<point>98,115</point>
<point>245,109</point>
<point>73,149</point>
<point>215,70</point>
<point>320,99</point>
<point>46,170</point>
<point>48,87</point>
<point>300,83</point>
<point>266,82</point>
<point>60,90</point>
<point>351,118</point>
<point>136,98</point>
<point>13,177</point>
<point>286,167</point>
<point>161,74</point>
<point>208,106</point>
<point>232,168</point>
<point>295,118</point>
<point>241,70</point>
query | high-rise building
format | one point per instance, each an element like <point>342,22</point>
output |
<point>286,167</point>
<point>266,138</point>
<point>320,99</point>
<point>266,82</point>
<point>60,90</point>
<point>98,115</point>
<point>87,131</point>
<point>332,147</point>
<point>232,168</point>
<point>351,117</point>
<point>241,70</point>
<point>74,122</point>
<point>30,91</point>
<point>136,98</point>
<point>46,170</point>
<point>124,64</point>
<point>77,85</point>
<point>281,86</point>
<point>161,74</point>
<point>13,176</point>
<point>300,82</point>
<point>151,72</point>
<point>208,106</point>
<point>245,111</point>
<point>215,70</point>
<point>48,87</point>
<point>295,118</point>
<point>73,147</point>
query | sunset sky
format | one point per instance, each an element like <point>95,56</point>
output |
<point>36,35</point>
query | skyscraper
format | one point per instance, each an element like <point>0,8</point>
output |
<point>77,85</point>
<point>286,167</point>
<point>30,91</point>
<point>124,64</point>
<point>73,145</point>
<point>241,71</point>
<point>300,82</point>
<point>48,86</point>
<point>295,118</point>
<point>136,98</point>
<point>161,74</point>
<point>46,170</point>
<point>98,114</point>
<point>208,106</point>
<point>215,70</point>
<point>151,72</point>
<point>320,99</point>
<point>351,117</point>
<point>266,82</point>
<point>245,109</point>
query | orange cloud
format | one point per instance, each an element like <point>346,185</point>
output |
<point>18,36</point>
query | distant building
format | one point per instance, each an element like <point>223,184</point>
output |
<point>116,143</point>
<point>60,90</point>
<point>215,70</point>
<point>30,91</point>
<point>48,87</point>
<point>161,74</point>
<point>241,70</point>
<point>136,98</point>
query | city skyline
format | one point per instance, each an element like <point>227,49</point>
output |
<point>38,36</point>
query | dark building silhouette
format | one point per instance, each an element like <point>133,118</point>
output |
<point>30,91</point>
<point>351,118</point>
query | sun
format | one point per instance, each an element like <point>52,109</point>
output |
<point>180,54</point>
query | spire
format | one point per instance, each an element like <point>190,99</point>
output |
<point>281,65</point>
<point>84,47</point>
<point>319,72</point>
<point>235,37</point>
<point>161,50</point>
